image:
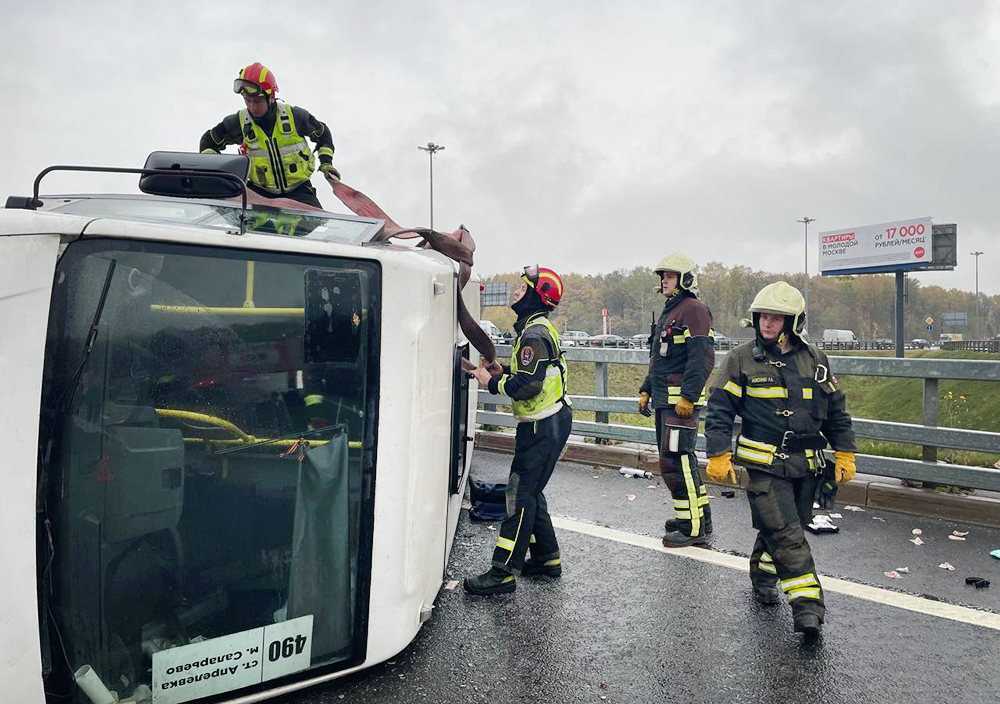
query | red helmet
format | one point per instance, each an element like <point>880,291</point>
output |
<point>546,283</point>
<point>256,79</point>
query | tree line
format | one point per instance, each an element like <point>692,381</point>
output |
<point>865,304</point>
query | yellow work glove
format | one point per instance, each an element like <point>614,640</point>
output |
<point>720,469</point>
<point>330,172</point>
<point>684,408</point>
<point>644,408</point>
<point>845,467</point>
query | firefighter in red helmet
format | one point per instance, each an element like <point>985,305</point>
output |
<point>273,135</point>
<point>537,384</point>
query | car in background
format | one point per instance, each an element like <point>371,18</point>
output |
<point>574,338</point>
<point>920,344</point>
<point>496,337</point>
<point>724,342</point>
<point>608,341</point>
<point>640,340</point>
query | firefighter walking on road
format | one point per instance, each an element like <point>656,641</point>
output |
<point>273,135</point>
<point>681,357</point>
<point>537,383</point>
<point>791,407</point>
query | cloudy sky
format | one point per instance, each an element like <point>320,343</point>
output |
<point>587,136</point>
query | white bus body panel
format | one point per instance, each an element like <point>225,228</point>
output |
<point>26,268</point>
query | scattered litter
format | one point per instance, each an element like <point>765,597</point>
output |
<point>955,537</point>
<point>878,518</point>
<point>960,533</point>
<point>711,496</point>
<point>597,476</point>
<point>978,582</point>
<point>729,493</point>
<point>603,685</point>
<point>893,575</point>
<point>836,515</point>
<point>651,486</point>
<point>995,553</point>
<point>630,497</point>
<point>903,570</point>
<point>947,566</point>
<point>917,541</point>
<point>604,697</point>
<point>451,585</point>
<point>816,505</point>
<point>492,527</point>
<point>821,524</point>
<point>917,531</point>
<point>633,472</point>
<point>853,508</point>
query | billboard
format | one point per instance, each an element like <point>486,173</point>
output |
<point>888,246</point>
<point>496,293</point>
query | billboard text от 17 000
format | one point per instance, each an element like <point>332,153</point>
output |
<point>890,246</point>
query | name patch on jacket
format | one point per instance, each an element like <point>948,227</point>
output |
<point>762,379</point>
<point>526,356</point>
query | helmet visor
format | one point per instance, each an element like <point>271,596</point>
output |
<point>531,272</point>
<point>244,87</point>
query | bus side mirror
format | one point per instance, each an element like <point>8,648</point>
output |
<point>334,316</point>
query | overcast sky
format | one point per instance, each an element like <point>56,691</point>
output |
<point>586,136</point>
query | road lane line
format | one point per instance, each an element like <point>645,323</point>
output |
<point>878,595</point>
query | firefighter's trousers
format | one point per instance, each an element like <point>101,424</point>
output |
<point>675,438</point>
<point>780,508</point>
<point>536,449</point>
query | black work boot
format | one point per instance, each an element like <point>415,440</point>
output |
<point>549,568</point>
<point>809,625</point>
<point>677,539</point>
<point>495,581</point>
<point>672,524</point>
<point>766,594</point>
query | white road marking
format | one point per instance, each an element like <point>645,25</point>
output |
<point>831,584</point>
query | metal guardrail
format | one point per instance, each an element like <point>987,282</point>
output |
<point>928,435</point>
<point>972,345</point>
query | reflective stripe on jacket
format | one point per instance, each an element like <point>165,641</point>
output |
<point>552,396</point>
<point>281,161</point>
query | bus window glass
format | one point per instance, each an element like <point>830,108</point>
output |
<point>206,475</point>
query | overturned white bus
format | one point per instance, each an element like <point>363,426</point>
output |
<point>233,458</point>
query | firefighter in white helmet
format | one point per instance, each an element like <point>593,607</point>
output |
<point>791,407</point>
<point>681,357</point>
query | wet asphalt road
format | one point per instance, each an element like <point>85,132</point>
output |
<point>627,624</point>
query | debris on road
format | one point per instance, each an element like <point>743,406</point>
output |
<point>630,497</point>
<point>451,585</point>
<point>947,566</point>
<point>917,541</point>
<point>633,472</point>
<point>836,515</point>
<point>978,582</point>
<point>917,531</point>
<point>729,493</point>
<point>903,570</point>
<point>878,518</point>
<point>853,508</point>
<point>492,527</point>
<point>995,553</point>
<point>955,537</point>
<point>959,533</point>
<point>651,486</point>
<point>821,523</point>
<point>893,574</point>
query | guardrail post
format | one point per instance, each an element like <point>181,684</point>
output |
<point>601,388</point>
<point>930,415</point>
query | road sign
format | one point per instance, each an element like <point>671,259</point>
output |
<point>604,312</point>
<point>929,328</point>
<point>956,318</point>
<point>929,320</point>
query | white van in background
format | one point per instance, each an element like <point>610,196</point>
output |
<point>574,338</point>
<point>493,331</point>
<point>840,339</point>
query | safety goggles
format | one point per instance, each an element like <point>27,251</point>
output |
<point>248,88</point>
<point>531,272</point>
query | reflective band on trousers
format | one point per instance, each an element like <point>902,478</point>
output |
<point>694,516</point>
<point>548,401</point>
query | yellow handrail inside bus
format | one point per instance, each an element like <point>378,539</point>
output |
<point>241,437</point>
<point>213,310</point>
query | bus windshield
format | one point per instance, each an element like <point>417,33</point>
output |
<point>211,465</point>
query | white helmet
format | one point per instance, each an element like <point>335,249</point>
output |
<point>784,299</point>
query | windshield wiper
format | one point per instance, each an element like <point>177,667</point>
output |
<point>74,382</point>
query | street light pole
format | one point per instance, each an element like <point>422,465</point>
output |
<point>431,150</point>
<point>805,221</point>
<point>976,255</point>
